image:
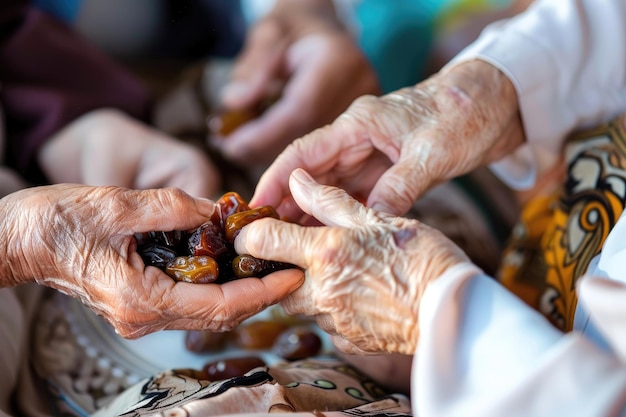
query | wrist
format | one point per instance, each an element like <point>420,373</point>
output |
<point>493,99</point>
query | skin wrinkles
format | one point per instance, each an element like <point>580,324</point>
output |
<point>80,240</point>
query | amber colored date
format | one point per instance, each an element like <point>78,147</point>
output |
<point>235,222</point>
<point>259,334</point>
<point>225,123</point>
<point>207,254</point>
<point>229,368</point>
<point>194,269</point>
<point>230,203</point>
<point>245,266</point>
<point>201,341</point>
<point>297,342</point>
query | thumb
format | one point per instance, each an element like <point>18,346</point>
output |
<point>330,205</point>
<point>278,240</point>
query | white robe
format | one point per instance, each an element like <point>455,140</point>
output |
<point>482,351</point>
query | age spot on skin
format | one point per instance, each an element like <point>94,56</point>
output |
<point>402,236</point>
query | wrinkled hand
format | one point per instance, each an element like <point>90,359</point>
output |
<point>80,240</point>
<point>391,149</point>
<point>106,147</point>
<point>365,273</point>
<point>304,47</point>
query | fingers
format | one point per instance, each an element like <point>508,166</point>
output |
<point>330,205</point>
<point>398,188</point>
<point>317,153</point>
<point>260,63</point>
<point>164,209</point>
<point>188,306</point>
<point>268,239</point>
<point>262,139</point>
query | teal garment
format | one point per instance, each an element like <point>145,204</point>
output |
<point>397,35</point>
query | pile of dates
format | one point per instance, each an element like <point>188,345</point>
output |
<point>290,341</point>
<point>207,254</point>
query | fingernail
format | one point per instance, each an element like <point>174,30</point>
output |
<point>205,206</point>
<point>300,183</point>
<point>381,208</point>
<point>302,176</point>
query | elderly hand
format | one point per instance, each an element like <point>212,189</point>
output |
<point>365,273</point>
<point>391,149</point>
<point>106,147</point>
<point>80,240</point>
<point>302,45</point>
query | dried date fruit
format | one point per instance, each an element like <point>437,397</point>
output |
<point>201,341</point>
<point>156,255</point>
<point>208,240</point>
<point>259,334</point>
<point>225,123</point>
<point>235,222</point>
<point>230,203</point>
<point>194,269</point>
<point>229,368</point>
<point>297,342</point>
<point>171,239</point>
<point>207,254</point>
<point>245,266</point>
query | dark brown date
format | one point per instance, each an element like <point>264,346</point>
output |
<point>206,254</point>
<point>171,239</point>
<point>194,269</point>
<point>208,240</point>
<point>297,342</point>
<point>229,368</point>
<point>260,334</point>
<point>201,341</point>
<point>156,255</point>
<point>235,222</point>
<point>245,266</point>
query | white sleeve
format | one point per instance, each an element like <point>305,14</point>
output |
<point>567,60</point>
<point>483,352</point>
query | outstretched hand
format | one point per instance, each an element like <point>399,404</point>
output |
<point>364,272</point>
<point>301,53</point>
<point>80,240</point>
<point>389,150</point>
<point>107,147</point>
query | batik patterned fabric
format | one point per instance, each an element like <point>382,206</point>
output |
<point>317,386</point>
<point>561,231</point>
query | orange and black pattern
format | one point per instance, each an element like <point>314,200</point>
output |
<point>559,233</point>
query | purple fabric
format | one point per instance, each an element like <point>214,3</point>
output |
<point>48,77</point>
